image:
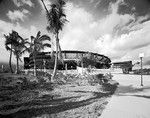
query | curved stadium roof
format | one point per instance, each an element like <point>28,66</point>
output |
<point>100,58</point>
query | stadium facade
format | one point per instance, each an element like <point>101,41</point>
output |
<point>70,58</point>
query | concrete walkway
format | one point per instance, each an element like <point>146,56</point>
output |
<point>130,99</point>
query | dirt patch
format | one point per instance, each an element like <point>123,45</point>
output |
<point>67,99</point>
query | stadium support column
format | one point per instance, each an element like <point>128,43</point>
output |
<point>2,68</point>
<point>82,67</point>
<point>66,66</point>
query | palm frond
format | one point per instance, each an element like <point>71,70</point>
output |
<point>56,17</point>
<point>26,49</point>
<point>47,45</point>
<point>20,59</point>
<point>7,47</point>
<point>38,35</point>
<point>45,38</point>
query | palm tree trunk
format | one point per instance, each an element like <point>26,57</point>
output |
<point>60,54</point>
<point>10,60</point>
<point>17,66</point>
<point>34,60</point>
<point>56,59</point>
<point>44,6</point>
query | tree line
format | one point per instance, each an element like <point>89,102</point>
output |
<point>15,44</point>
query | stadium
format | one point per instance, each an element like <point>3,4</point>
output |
<point>69,59</point>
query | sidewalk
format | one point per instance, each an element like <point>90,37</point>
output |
<point>130,99</point>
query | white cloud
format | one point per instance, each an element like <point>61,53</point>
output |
<point>118,36</point>
<point>77,29</point>
<point>17,15</point>
<point>20,3</point>
<point>83,32</point>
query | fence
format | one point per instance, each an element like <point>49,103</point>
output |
<point>79,70</point>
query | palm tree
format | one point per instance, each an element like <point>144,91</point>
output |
<point>36,45</point>
<point>56,20</point>
<point>16,45</point>
<point>19,49</point>
<point>9,44</point>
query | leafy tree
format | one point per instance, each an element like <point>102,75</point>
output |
<point>56,20</point>
<point>36,45</point>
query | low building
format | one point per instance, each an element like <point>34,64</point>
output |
<point>126,66</point>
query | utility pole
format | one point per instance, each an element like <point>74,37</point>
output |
<point>141,55</point>
<point>141,72</point>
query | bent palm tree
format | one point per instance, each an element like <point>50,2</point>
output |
<point>8,46</point>
<point>36,45</point>
<point>10,42</point>
<point>56,20</point>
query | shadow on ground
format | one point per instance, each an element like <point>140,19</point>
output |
<point>131,91</point>
<point>48,107</point>
<point>23,99</point>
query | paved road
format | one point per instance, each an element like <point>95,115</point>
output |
<point>130,99</point>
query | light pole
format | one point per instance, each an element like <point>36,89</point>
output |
<point>2,68</point>
<point>141,55</point>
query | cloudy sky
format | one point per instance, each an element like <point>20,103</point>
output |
<point>119,29</point>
